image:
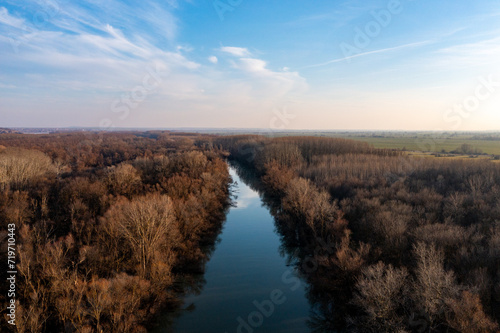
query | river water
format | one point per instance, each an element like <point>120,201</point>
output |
<point>249,286</point>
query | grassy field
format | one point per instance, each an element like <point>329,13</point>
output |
<point>487,142</point>
<point>430,144</point>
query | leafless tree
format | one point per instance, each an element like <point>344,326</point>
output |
<point>147,225</point>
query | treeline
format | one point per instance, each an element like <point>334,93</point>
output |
<point>388,243</point>
<point>105,225</point>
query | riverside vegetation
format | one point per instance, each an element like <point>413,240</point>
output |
<point>413,244</point>
<point>106,225</point>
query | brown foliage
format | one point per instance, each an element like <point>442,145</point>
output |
<point>303,201</point>
<point>467,315</point>
<point>20,166</point>
<point>284,154</point>
<point>98,244</point>
<point>147,226</point>
<point>434,285</point>
<point>277,178</point>
<point>17,209</point>
<point>381,293</point>
<point>445,209</point>
<point>350,261</point>
<point>123,180</point>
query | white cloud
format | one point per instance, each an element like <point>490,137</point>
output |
<point>236,51</point>
<point>470,54</point>
<point>185,48</point>
<point>276,84</point>
<point>95,59</point>
<point>90,62</point>
<point>10,20</point>
<point>258,67</point>
<point>253,66</point>
<point>255,78</point>
<point>77,18</point>
<point>213,59</point>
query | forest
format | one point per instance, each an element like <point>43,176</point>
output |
<point>108,225</point>
<point>413,243</point>
<point>105,225</point>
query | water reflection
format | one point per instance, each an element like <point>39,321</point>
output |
<point>250,283</point>
<point>257,279</point>
<point>244,197</point>
<point>328,296</point>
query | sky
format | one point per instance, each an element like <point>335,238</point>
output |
<point>275,65</point>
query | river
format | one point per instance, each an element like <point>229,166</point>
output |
<point>248,285</point>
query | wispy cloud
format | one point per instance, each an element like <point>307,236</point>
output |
<point>389,49</point>
<point>286,80</point>
<point>236,51</point>
<point>339,17</point>
<point>481,52</point>
<point>10,20</point>
<point>261,77</point>
<point>100,58</point>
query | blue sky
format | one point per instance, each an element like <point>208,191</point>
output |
<point>295,64</point>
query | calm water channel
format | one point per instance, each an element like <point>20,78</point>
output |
<point>249,287</point>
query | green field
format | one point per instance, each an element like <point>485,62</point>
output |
<point>431,144</point>
<point>487,142</point>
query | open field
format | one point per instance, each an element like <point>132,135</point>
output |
<point>487,142</point>
<point>437,145</point>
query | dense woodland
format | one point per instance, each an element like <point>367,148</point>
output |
<point>106,225</point>
<point>388,243</point>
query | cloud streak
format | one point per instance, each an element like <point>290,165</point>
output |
<point>79,57</point>
<point>389,49</point>
<point>236,51</point>
<point>476,53</point>
<point>9,20</point>
<point>84,60</point>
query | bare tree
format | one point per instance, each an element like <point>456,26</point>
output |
<point>380,292</point>
<point>434,285</point>
<point>123,179</point>
<point>147,225</point>
<point>18,166</point>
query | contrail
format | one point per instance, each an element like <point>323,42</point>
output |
<point>367,53</point>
